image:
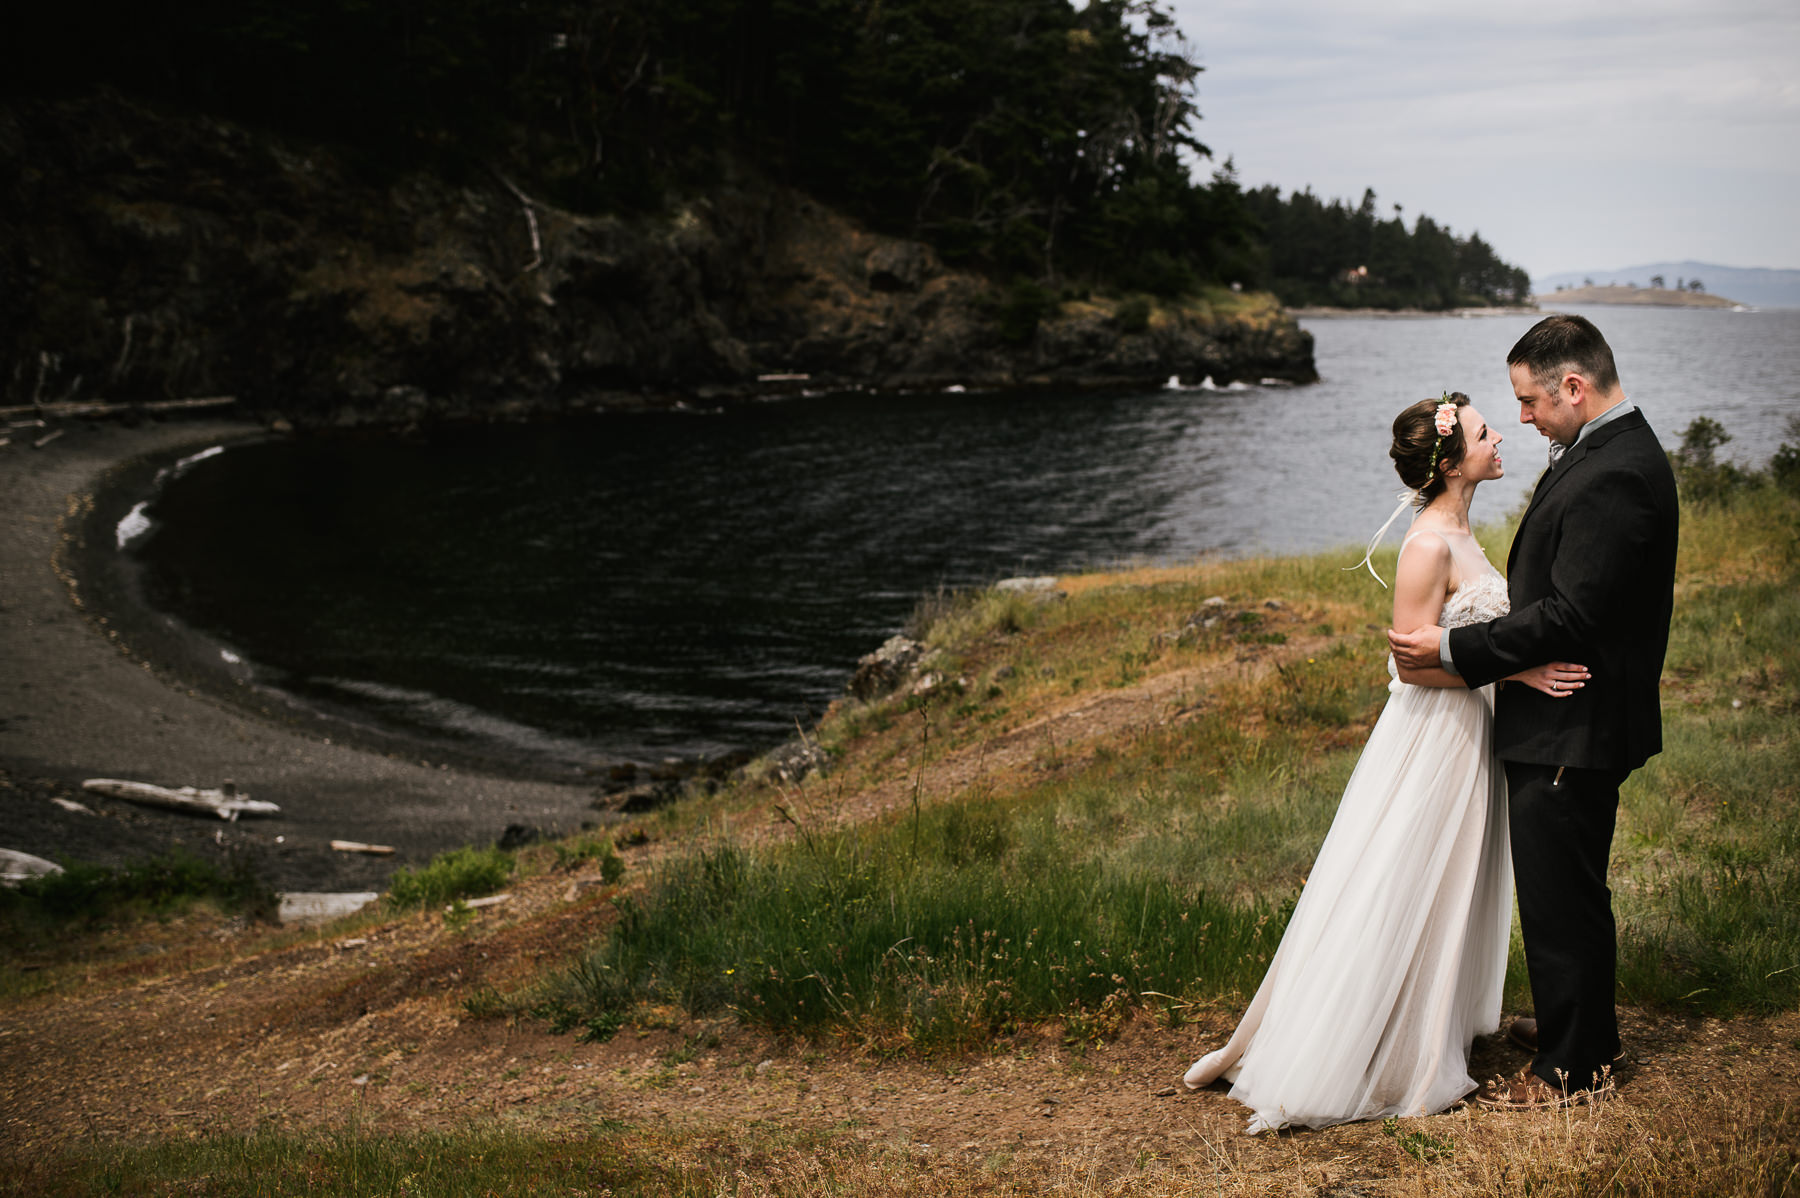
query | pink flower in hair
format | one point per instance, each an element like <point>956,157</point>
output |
<point>1446,419</point>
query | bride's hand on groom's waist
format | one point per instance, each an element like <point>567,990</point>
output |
<point>1558,679</point>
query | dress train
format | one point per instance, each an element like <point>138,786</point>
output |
<point>1395,956</point>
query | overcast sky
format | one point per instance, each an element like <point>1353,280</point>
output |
<point>1572,136</point>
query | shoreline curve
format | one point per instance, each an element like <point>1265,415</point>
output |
<point>95,687</point>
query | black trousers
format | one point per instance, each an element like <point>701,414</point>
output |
<point>1562,830</point>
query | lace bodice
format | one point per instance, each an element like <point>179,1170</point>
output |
<point>1480,599</point>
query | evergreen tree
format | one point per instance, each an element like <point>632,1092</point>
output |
<point>1027,138</point>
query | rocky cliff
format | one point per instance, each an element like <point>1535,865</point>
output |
<point>153,255</point>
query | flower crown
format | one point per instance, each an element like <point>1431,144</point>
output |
<point>1446,424</point>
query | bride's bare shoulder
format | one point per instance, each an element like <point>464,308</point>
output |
<point>1422,577</point>
<point>1425,546</point>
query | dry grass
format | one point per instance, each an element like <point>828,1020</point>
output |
<point>1107,725</point>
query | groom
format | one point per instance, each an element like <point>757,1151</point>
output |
<point>1591,576</point>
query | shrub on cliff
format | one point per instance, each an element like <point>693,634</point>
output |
<point>1132,315</point>
<point>461,873</point>
<point>1025,303</point>
<point>157,885</point>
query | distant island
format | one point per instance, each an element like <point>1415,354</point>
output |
<point>1757,286</point>
<point>1653,297</point>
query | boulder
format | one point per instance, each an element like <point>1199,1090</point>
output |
<point>881,672</point>
<point>1041,589</point>
<point>794,761</point>
<point>901,265</point>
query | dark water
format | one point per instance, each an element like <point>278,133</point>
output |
<point>687,582</point>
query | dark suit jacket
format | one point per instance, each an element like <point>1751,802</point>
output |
<point>1591,576</point>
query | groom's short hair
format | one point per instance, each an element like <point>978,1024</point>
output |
<point>1556,345</point>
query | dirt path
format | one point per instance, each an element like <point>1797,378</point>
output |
<point>1060,738</point>
<point>1068,732</point>
<point>374,1028</point>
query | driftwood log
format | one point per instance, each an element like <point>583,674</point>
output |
<point>107,407</point>
<point>225,802</point>
<point>17,867</point>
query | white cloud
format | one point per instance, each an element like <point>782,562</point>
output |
<point>1571,137</point>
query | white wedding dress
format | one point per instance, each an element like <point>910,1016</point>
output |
<point>1395,955</point>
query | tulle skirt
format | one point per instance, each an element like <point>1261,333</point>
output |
<point>1395,956</point>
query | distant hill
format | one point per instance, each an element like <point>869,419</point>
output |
<point>1761,287</point>
<point>1646,297</point>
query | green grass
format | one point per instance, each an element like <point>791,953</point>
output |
<point>970,939</point>
<point>1058,898</point>
<point>1157,877</point>
<point>610,1158</point>
<point>53,927</point>
<point>1707,862</point>
<point>460,873</point>
<point>1157,872</point>
<point>578,850</point>
<point>86,893</point>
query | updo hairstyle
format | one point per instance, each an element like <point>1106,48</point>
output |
<point>1415,434</point>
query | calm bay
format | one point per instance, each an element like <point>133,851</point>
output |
<point>681,583</point>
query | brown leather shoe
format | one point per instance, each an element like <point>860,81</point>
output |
<point>1523,1033</point>
<point>1526,1091</point>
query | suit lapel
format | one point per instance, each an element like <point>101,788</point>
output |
<point>1545,481</point>
<point>1572,457</point>
<point>1566,465</point>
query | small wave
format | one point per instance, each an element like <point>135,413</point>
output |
<point>170,473</point>
<point>134,525</point>
<point>423,707</point>
<point>1207,384</point>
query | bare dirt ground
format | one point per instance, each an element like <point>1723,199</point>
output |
<point>372,1026</point>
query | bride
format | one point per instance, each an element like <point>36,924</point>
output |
<point>1395,956</point>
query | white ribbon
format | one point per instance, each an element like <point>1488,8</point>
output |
<point>1407,499</point>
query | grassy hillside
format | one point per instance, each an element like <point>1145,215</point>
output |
<point>1029,886</point>
<point>1179,835</point>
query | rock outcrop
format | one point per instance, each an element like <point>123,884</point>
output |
<point>151,255</point>
<point>881,672</point>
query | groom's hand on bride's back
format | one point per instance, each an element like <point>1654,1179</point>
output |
<point>1416,650</point>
